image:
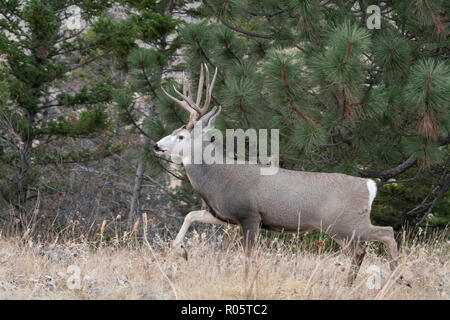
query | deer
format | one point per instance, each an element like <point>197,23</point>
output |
<point>288,201</point>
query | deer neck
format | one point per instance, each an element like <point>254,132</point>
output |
<point>201,174</point>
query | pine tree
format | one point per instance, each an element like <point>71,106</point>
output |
<point>42,55</point>
<point>370,103</point>
<point>146,65</point>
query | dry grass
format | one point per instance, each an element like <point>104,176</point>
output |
<point>214,271</point>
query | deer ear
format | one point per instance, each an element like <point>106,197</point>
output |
<point>209,120</point>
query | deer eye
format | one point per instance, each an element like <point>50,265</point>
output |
<point>180,137</point>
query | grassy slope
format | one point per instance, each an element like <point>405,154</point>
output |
<point>214,271</point>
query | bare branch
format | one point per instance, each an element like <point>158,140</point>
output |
<point>389,173</point>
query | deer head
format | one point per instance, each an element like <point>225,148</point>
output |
<point>182,138</point>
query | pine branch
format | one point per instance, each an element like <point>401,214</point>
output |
<point>291,103</point>
<point>16,32</point>
<point>424,208</point>
<point>246,32</point>
<point>202,51</point>
<point>387,174</point>
<point>267,15</point>
<point>416,176</point>
<point>130,116</point>
<point>244,112</point>
<point>237,29</point>
<point>147,80</point>
<point>227,47</point>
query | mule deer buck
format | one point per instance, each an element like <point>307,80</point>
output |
<point>288,201</point>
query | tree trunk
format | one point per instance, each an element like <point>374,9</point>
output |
<point>136,194</point>
<point>23,176</point>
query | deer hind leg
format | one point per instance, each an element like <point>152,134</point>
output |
<point>385,235</point>
<point>357,258</point>
<point>357,252</point>
<point>194,216</point>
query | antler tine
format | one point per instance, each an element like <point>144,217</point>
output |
<point>188,100</point>
<point>193,114</point>
<point>200,86</point>
<point>188,104</point>
<point>186,87</point>
<point>209,89</point>
<point>183,104</point>
<point>183,79</point>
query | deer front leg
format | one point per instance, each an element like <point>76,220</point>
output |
<point>250,229</point>
<point>194,216</point>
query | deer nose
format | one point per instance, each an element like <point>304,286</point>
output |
<point>155,146</point>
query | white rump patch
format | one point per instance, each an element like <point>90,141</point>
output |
<point>372,186</point>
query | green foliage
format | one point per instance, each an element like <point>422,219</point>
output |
<point>393,54</point>
<point>308,137</point>
<point>145,67</point>
<point>116,36</point>
<point>428,93</point>
<point>153,24</point>
<point>41,57</point>
<point>4,87</point>
<point>100,93</point>
<point>87,123</point>
<point>41,20</point>
<point>341,63</point>
<point>346,99</point>
<point>281,71</point>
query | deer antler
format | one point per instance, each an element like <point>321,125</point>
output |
<point>188,104</point>
<point>209,89</point>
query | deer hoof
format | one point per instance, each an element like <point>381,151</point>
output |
<point>179,250</point>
